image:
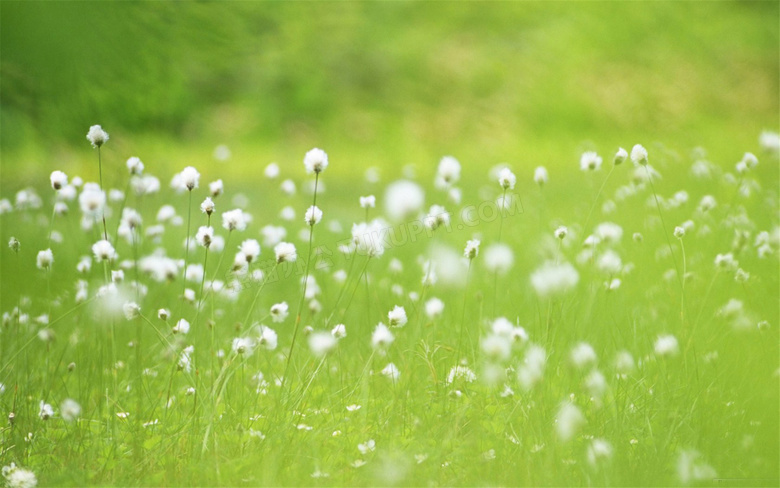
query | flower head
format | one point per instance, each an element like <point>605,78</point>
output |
<point>507,179</point>
<point>190,178</point>
<point>397,317</point>
<point>58,180</point>
<point>620,156</point>
<point>590,161</point>
<point>639,154</point>
<point>285,252</point>
<point>234,220</point>
<point>472,249</point>
<point>135,166</point>
<point>315,161</point>
<point>313,215</point>
<point>45,259</point>
<point>97,136</point>
<point>104,251</point>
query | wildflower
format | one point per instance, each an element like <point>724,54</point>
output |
<point>216,188</point>
<point>599,451</point>
<point>726,262</point>
<point>313,215</point>
<point>234,220</point>
<point>368,201</point>
<point>679,232</point>
<point>70,410</point>
<point>448,172</point>
<point>250,249</point>
<point>366,447</point>
<point>279,311</point>
<point>531,370</point>
<point>609,232</point>
<point>583,355</point>
<point>285,252</point>
<point>561,232</point>
<point>321,343</point>
<point>16,477</point>
<point>315,161</point>
<point>267,338</point>
<point>243,346</point>
<point>624,363</point>
<point>462,373</point>
<point>104,251</point>
<point>181,327</point>
<point>434,308</point>
<point>207,207</point>
<point>163,314</point>
<point>92,200</point>
<point>568,422</point>
<point>46,411</point>
<point>205,236</point>
<point>397,317</point>
<point>541,176</point>
<point>131,310</point>
<point>666,345</point>
<point>339,331</point>
<point>507,179</point>
<point>189,178</point>
<point>14,244</point>
<point>639,155</point>
<point>271,171</point>
<point>45,259</point>
<point>620,156</point>
<point>553,279</point>
<point>437,217</point>
<point>367,238</point>
<point>391,371</point>
<point>97,136</point>
<point>403,199</point>
<point>58,180</point>
<point>496,347</point>
<point>609,263</point>
<point>472,249</point>
<point>498,258</point>
<point>590,161</point>
<point>382,337</point>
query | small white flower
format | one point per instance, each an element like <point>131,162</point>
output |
<point>434,308</point>
<point>397,317</point>
<point>339,331</point>
<point>382,337</point>
<point>561,232</point>
<point>205,236</point>
<point>250,248</point>
<point>540,176</point>
<point>135,166</point>
<point>315,161</point>
<point>97,136</point>
<point>620,156</point>
<point>666,345</point>
<point>58,180</point>
<point>234,220</point>
<point>639,154</point>
<point>181,327</point>
<point>131,310</point>
<point>391,372</point>
<point>366,447</point>
<point>190,178</point>
<point>568,422</point>
<point>472,249</point>
<point>285,252</point>
<point>70,410</point>
<point>313,215</point>
<point>216,188</point>
<point>279,312</point>
<point>448,172</point>
<point>271,171</point>
<point>46,411</point>
<point>498,258</point>
<point>104,251</point>
<point>679,232</point>
<point>368,201</point>
<point>163,314</point>
<point>507,179</point>
<point>590,161</point>
<point>45,259</point>
<point>321,343</point>
<point>207,207</point>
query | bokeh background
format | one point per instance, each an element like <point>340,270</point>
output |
<point>382,84</point>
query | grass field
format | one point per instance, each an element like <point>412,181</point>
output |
<point>614,323</point>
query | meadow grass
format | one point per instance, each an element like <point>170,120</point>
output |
<point>623,353</point>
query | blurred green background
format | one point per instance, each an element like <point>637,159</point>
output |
<point>380,83</point>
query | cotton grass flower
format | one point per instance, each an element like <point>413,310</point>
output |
<point>541,176</point>
<point>499,258</point>
<point>315,161</point>
<point>207,207</point>
<point>381,338</point>
<point>620,157</point>
<point>70,410</point>
<point>568,422</point>
<point>590,161</point>
<point>472,249</point>
<point>131,310</point>
<point>397,317</point>
<point>434,308</point>
<point>16,477</point>
<point>234,220</point>
<point>448,172</point>
<point>403,199</point>
<point>507,179</point>
<point>339,331</point>
<point>321,343</point>
<point>104,251</point>
<point>285,252</point>
<point>97,136</point>
<point>205,236</point>
<point>666,345</point>
<point>45,259</point>
<point>313,215</point>
<point>639,155</point>
<point>181,327</point>
<point>250,249</point>
<point>368,201</point>
<point>58,180</point>
<point>190,178</point>
<point>582,355</point>
<point>554,279</point>
<point>45,411</point>
<point>599,452</point>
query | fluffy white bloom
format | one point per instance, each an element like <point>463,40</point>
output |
<point>472,249</point>
<point>770,142</point>
<point>499,258</point>
<point>339,331</point>
<point>58,180</point>
<point>391,371</point>
<point>367,447</point>
<point>321,343</point>
<point>288,187</point>
<point>273,234</point>
<point>279,312</point>
<point>568,422</point>
<point>531,371</point>
<point>70,410</point>
<point>234,220</point>
<point>243,346</point>
<point>267,338</point>
<point>368,201</point>
<point>599,451</point>
<point>666,345</point>
<point>553,279</point>
<point>620,156</point>
<point>691,468</point>
<point>92,200</point>
<point>181,327</point>
<point>250,248</point>
<point>216,188</point>
<point>135,166</point>
<point>163,314</point>
<point>434,308</point>
<point>190,177</point>
<point>582,355</point>
<point>540,176</point>
<point>561,232</point>
<point>507,179</point>
<point>45,259</point>
<point>97,136</point>
<point>313,215</point>
<point>207,207</point>
<point>205,236</point>
<point>609,262</point>
<point>315,161</point>
<point>367,237</point>
<point>131,310</point>
<point>104,251</point>
<point>45,412</point>
<point>679,232</point>
<point>496,347</point>
<point>285,252</point>
<point>271,171</point>
<point>397,317</point>
<point>403,199</point>
<point>461,373</point>
<point>590,161</point>
<point>448,172</point>
<point>16,477</point>
<point>639,154</point>
<point>609,232</point>
<point>437,217</point>
<point>381,338</point>
<point>624,363</point>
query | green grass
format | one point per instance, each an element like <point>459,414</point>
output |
<point>718,396</point>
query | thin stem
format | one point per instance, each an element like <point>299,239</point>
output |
<point>596,201</point>
<point>187,244</point>
<point>100,170</point>
<point>663,225</point>
<point>463,314</point>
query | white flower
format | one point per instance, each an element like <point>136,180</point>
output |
<point>561,232</point>
<point>437,217</point>
<point>639,154</point>
<point>267,338</point>
<point>366,447</point>
<point>666,345</point>
<point>391,371</point>
<point>397,317</point>
<point>462,373</point>
<point>58,180</point>
<point>367,237</point>
<point>190,177</point>
<point>279,312</point>
<point>135,166</point>
<point>285,252</point>
<point>70,410</point>
<point>104,251</point>
<point>313,215</point>
<point>403,199</point>
<point>382,337</point>
<point>315,161</point>
<point>321,343</point>
<point>16,477</point>
<point>339,331</point>
<point>205,236</point>
<point>163,314</point>
<point>448,172</point>
<point>531,371</point>
<point>770,142</point>
<point>553,279</point>
<point>97,136</point>
<point>590,161</point>
<point>250,248</point>
<point>609,232</point>
<point>679,232</point>
<point>498,258</point>
<point>131,310</point>
<point>496,347</point>
<point>434,308</point>
<point>92,200</point>
<point>46,411</point>
<point>472,249</point>
<point>368,201</point>
<point>216,188</point>
<point>207,207</point>
<point>599,451</point>
<point>181,327</point>
<point>243,346</point>
<point>234,220</point>
<point>568,422</point>
<point>620,156</point>
<point>507,179</point>
<point>541,176</point>
<point>271,171</point>
<point>45,259</point>
<point>583,355</point>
